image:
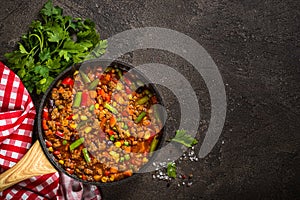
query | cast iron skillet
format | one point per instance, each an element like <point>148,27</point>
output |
<point>70,71</point>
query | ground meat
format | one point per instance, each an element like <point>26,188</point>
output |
<point>110,137</point>
<point>88,171</point>
<point>57,144</point>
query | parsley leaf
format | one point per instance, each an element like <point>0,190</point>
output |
<point>183,138</point>
<point>45,54</point>
<point>56,33</point>
<point>22,49</point>
<point>50,10</point>
<point>52,44</point>
<point>171,170</point>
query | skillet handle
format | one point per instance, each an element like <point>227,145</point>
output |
<point>33,163</point>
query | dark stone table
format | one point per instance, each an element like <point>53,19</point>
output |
<point>255,44</point>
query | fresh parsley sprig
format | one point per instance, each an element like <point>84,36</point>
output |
<point>172,170</point>
<point>52,44</point>
<point>184,138</point>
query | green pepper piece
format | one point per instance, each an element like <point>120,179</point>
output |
<point>142,100</point>
<point>86,155</point>
<point>92,108</point>
<point>119,73</point>
<point>140,117</point>
<point>153,145</point>
<point>112,138</point>
<point>77,100</point>
<point>76,144</point>
<point>156,114</point>
<point>65,142</point>
<point>110,108</point>
<point>147,92</point>
<point>126,143</point>
<point>127,156</point>
<point>93,84</point>
<point>107,69</point>
<point>85,77</point>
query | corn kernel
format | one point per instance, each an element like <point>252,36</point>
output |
<point>127,156</point>
<point>76,72</point>
<point>112,178</point>
<point>119,86</point>
<point>97,106</point>
<point>147,135</point>
<point>61,162</point>
<point>145,159</point>
<point>104,179</point>
<point>127,133</point>
<point>87,129</point>
<point>114,104</point>
<point>83,118</point>
<point>118,144</point>
<point>73,126</point>
<point>50,149</point>
<point>75,116</point>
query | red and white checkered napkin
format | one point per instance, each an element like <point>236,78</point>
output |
<point>17,114</point>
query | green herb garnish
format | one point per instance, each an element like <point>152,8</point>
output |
<point>171,170</point>
<point>52,44</point>
<point>184,138</point>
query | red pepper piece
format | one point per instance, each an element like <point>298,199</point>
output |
<point>48,143</point>
<point>130,123</point>
<point>111,132</point>
<point>57,123</point>
<point>68,81</point>
<point>46,114</point>
<point>59,134</point>
<point>70,117</point>
<point>154,100</point>
<point>84,99</point>
<point>102,93</point>
<point>127,81</point>
<point>70,171</point>
<point>151,138</point>
<point>127,90</point>
<point>152,135</point>
<point>56,152</point>
<point>45,126</point>
<point>108,98</point>
<point>106,173</point>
